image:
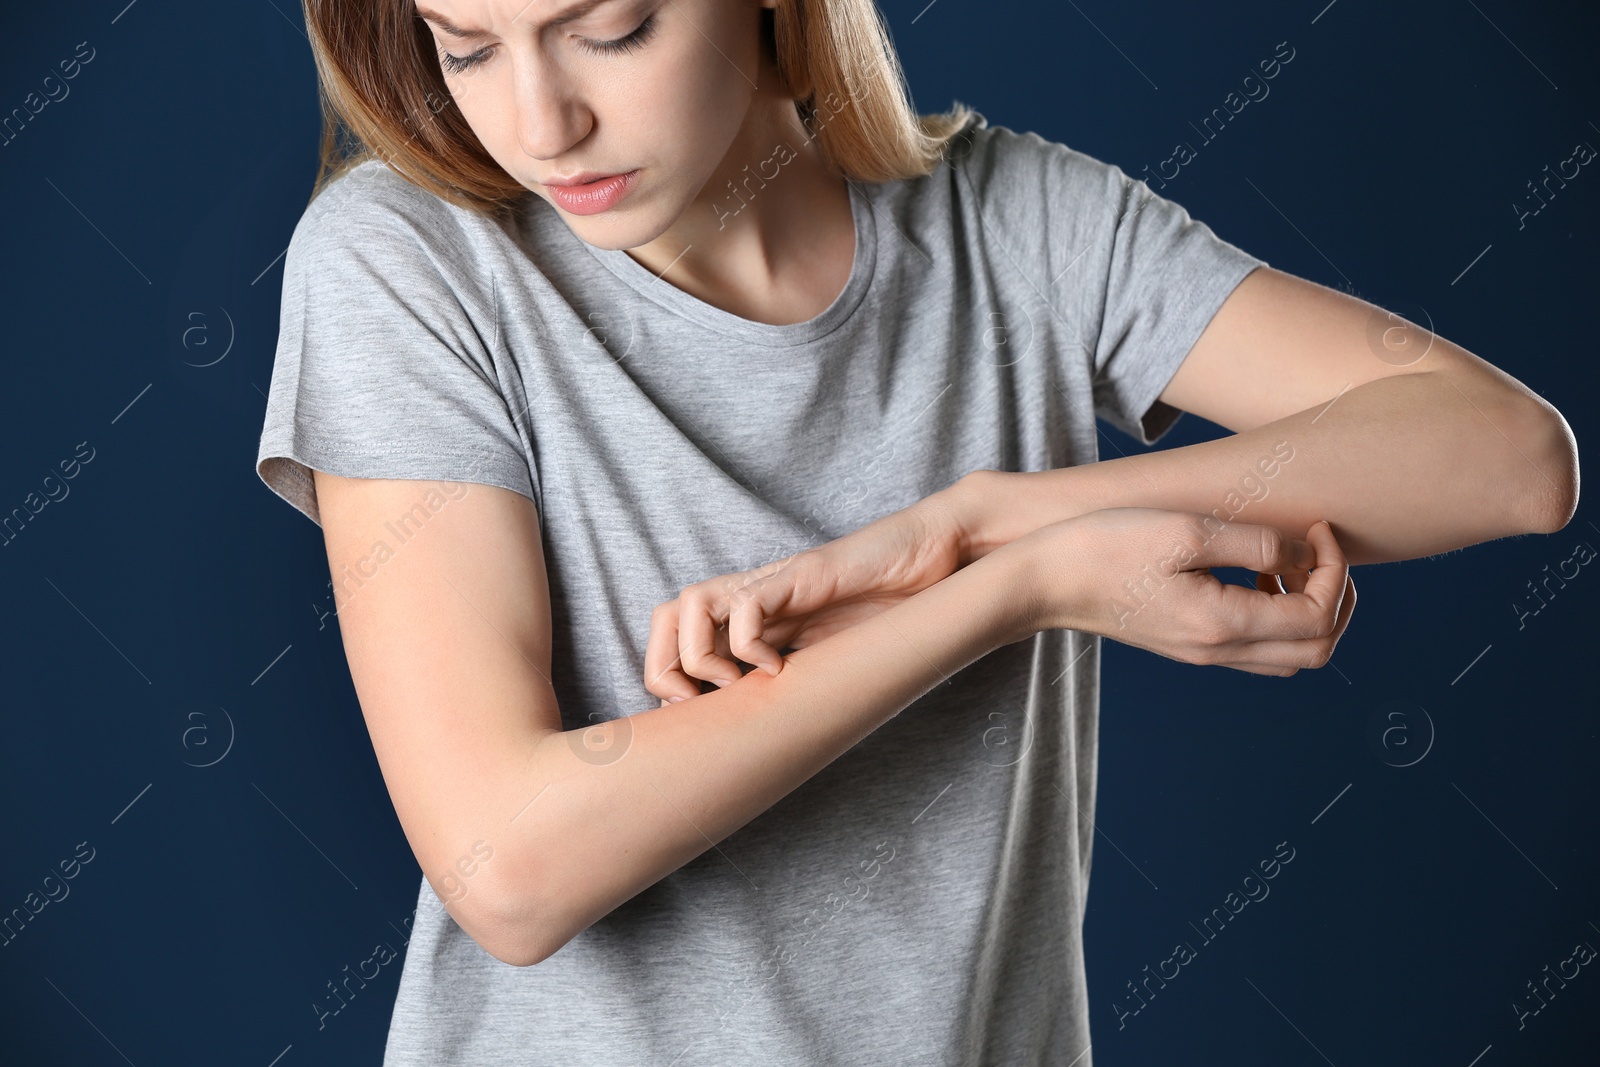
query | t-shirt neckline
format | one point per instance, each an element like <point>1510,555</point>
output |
<point>777,335</point>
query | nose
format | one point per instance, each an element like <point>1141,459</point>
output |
<point>551,115</point>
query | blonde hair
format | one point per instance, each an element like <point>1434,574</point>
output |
<point>383,97</point>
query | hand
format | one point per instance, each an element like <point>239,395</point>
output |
<point>798,600</point>
<point>1142,576</point>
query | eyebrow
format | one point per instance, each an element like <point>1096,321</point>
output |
<point>571,14</point>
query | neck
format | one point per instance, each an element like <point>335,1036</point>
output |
<point>773,175</point>
<point>767,234</point>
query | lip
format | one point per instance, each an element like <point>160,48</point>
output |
<point>589,193</point>
<point>583,177</point>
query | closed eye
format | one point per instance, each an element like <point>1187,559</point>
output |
<point>632,41</point>
<point>617,46</point>
<point>457,64</point>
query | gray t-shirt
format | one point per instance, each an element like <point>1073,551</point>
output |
<point>921,899</point>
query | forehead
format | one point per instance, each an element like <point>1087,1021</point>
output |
<point>481,18</point>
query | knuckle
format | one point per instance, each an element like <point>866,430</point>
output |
<point>1211,632</point>
<point>1273,545</point>
<point>1190,533</point>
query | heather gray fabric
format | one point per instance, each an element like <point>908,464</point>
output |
<point>920,901</point>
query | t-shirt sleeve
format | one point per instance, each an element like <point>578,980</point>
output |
<point>1133,278</point>
<point>386,364</point>
<point>1167,276</point>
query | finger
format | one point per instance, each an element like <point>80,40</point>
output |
<point>1270,583</point>
<point>1246,616</point>
<point>699,618</point>
<point>1308,613</point>
<point>1309,651</point>
<point>725,651</point>
<point>1254,547</point>
<point>1324,588</point>
<point>663,673</point>
<point>1263,668</point>
<point>746,625</point>
<point>1294,581</point>
<point>1287,658</point>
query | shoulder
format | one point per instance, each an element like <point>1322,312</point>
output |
<point>372,193</point>
<point>1019,171</point>
<point>372,219</point>
<point>1037,206</point>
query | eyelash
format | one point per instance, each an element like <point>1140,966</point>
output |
<point>637,39</point>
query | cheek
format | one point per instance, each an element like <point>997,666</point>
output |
<point>696,93</point>
<point>706,66</point>
<point>679,112</point>
<point>485,101</point>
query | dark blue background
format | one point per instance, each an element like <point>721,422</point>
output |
<point>171,602</point>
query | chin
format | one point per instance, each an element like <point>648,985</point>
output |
<point>613,236</point>
<point>616,229</point>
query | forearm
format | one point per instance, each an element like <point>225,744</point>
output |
<point>697,770</point>
<point>1403,467</point>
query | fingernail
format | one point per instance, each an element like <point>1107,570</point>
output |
<point>674,700</point>
<point>721,682</point>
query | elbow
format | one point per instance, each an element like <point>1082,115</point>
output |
<point>508,918</point>
<point>518,953</point>
<point>527,927</point>
<point>511,934</point>
<point>1552,492</point>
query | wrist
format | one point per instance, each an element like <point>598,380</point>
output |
<point>1011,580</point>
<point>973,507</point>
<point>1047,580</point>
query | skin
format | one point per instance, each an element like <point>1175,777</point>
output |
<point>1406,442</point>
<point>693,105</point>
<point>449,642</point>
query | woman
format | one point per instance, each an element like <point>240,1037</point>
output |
<point>662,335</point>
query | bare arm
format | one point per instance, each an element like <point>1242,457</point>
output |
<point>1407,443</point>
<point>448,642</point>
